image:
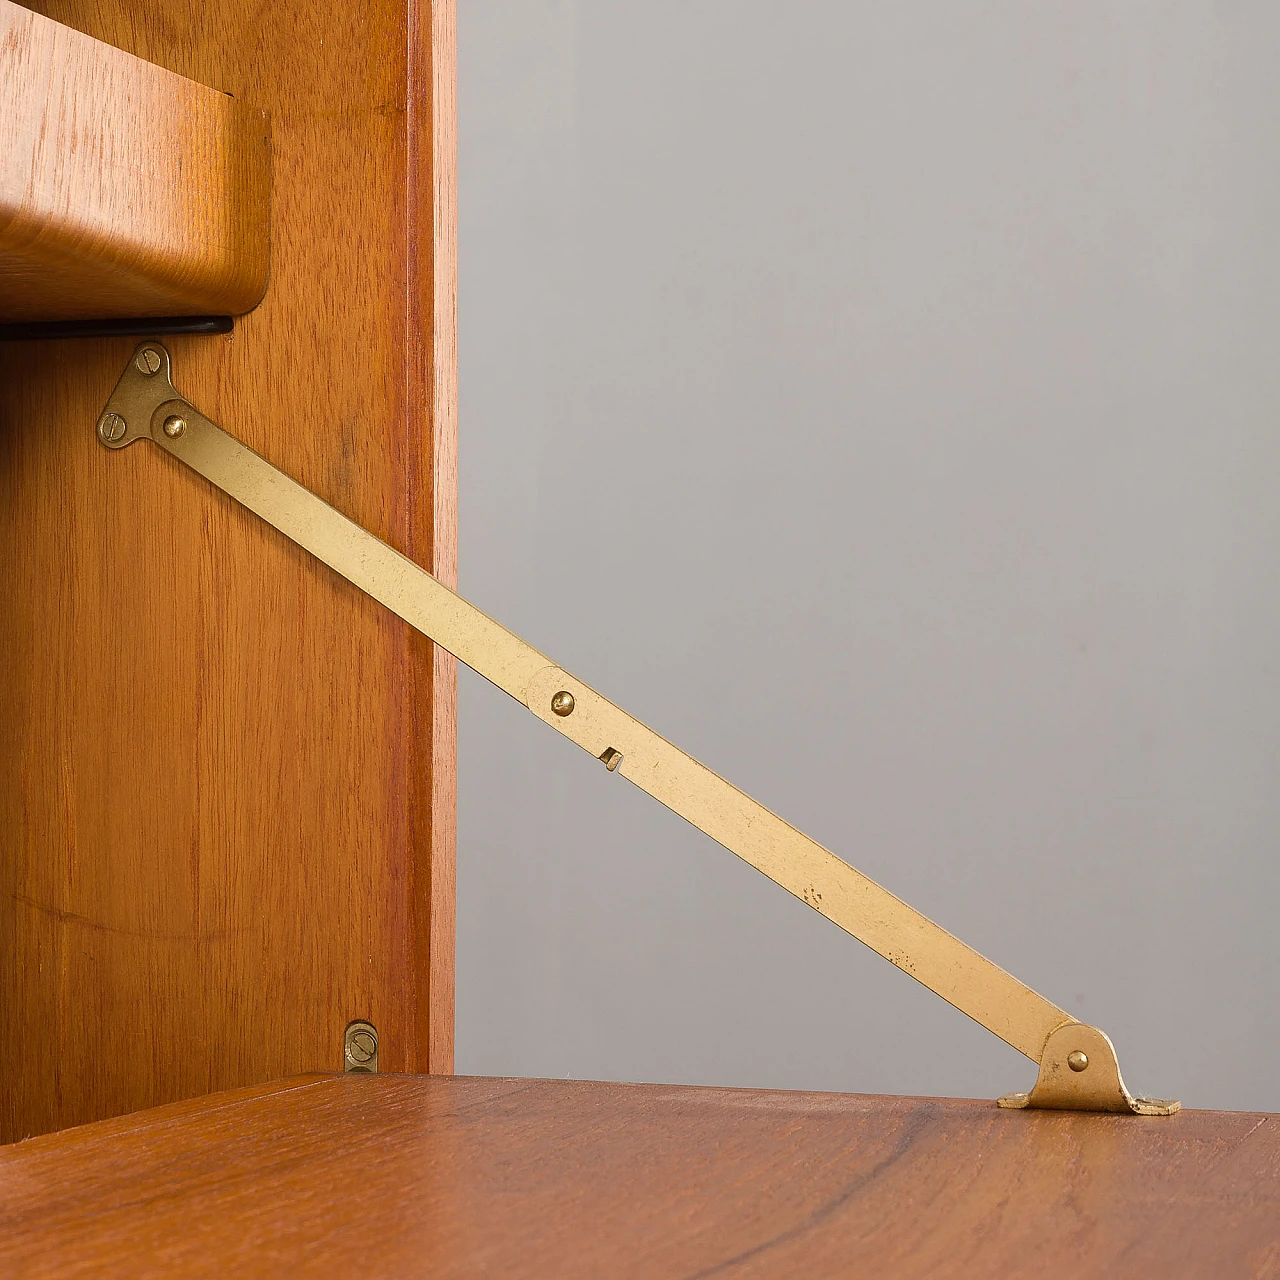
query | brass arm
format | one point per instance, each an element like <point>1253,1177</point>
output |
<point>1078,1068</point>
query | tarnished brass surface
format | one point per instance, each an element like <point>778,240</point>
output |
<point>1079,1072</point>
<point>360,1047</point>
<point>147,404</point>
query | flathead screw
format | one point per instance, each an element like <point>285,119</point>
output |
<point>360,1047</point>
<point>148,361</point>
<point>111,428</point>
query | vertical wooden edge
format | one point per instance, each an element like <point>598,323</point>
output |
<point>444,291</point>
<point>431,331</point>
<point>442,925</point>
<point>444,549</point>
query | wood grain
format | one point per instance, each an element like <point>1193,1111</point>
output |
<point>439,291</point>
<point>400,1176</point>
<point>125,190</point>
<point>225,822</point>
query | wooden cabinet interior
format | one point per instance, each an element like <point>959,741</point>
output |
<point>226,793</point>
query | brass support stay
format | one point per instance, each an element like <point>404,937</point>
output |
<point>1078,1067</point>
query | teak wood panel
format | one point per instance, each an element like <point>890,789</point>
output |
<point>415,1176</point>
<point>226,778</point>
<point>125,190</point>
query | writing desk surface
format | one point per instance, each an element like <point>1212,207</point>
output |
<point>461,1176</point>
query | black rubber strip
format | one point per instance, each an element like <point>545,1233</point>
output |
<point>142,327</point>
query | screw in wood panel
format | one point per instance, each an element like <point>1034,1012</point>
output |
<point>360,1047</point>
<point>111,427</point>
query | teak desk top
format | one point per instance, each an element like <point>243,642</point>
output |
<point>449,1177</point>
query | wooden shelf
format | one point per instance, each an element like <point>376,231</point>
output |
<point>453,1177</point>
<point>125,190</point>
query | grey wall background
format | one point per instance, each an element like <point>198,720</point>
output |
<point>880,400</point>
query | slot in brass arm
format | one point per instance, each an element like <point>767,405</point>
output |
<point>1078,1067</point>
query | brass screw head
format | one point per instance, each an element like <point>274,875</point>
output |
<point>562,703</point>
<point>362,1047</point>
<point>148,361</point>
<point>1077,1060</point>
<point>111,428</point>
<point>174,426</point>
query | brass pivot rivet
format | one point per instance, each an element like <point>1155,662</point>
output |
<point>148,361</point>
<point>1077,1060</point>
<point>562,703</point>
<point>111,428</point>
<point>174,426</point>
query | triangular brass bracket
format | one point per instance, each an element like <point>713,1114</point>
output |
<point>1078,1069</point>
<point>1079,1072</point>
<point>145,385</point>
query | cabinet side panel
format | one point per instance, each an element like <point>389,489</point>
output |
<point>220,836</point>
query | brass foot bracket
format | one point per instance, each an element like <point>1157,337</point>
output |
<point>1078,1069</point>
<point>1079,1072</point>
